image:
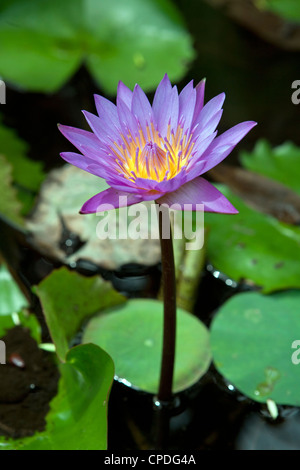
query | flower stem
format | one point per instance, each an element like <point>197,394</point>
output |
<point>169,296</point>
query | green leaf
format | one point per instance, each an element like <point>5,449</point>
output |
<point>254,247</point>
<point>21,318</point>
<point>68,299</point>
<point>131,41</point>
<point>78,416</point>
<point>289,9</point>
<point>150,42</point>
<point>12,307</point>
<point>132,335</point>
<point>11,297</point>
<point>252,339</point>
<point>26,172</point>
<point>281,163</point>
<point>10,206</point>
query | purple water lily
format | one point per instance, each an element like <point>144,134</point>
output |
<point>155,152</point>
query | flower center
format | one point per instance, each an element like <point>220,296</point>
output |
<point>150,156</point>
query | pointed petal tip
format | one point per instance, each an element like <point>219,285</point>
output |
<point>166,79</point>
<point>85,211</point>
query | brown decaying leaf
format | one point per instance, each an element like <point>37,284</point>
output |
<point>265,24</point>
<point>57,210</point>
<point>260,192</point>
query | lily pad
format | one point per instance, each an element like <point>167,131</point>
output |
<point>131,41</point>
<point>254,247</point>
<point>281,163</point>
<point>78,416</point>
<point>252,339</point>
<point>132,335</point>
<point>68,299</point>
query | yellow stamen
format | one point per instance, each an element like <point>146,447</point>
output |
<point>150,156</point>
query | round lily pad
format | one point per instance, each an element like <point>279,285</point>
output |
<point>132,336</point>
<point>255,344</point>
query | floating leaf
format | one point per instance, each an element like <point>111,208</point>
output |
<point>281,163</point>
<point>252,337</point>
<point>254,247</point>
<point>132,335</point>
<point>131,41</point>
<point>78,416</point>
<point>68,299</point>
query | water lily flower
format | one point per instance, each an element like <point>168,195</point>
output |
<point>155,152</point>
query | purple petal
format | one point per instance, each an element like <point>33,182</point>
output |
<point>104,129</point>
<point>127,120</point>
<point>165,106</point>
<point>86,142</point>
<point>198,150</point>
<point>106,109</point>
<point>84,163</point>
<point>199,191</point>
<point>124,94</point>
<point>209,110</point>
<point>201,132</point>
<point>141,107</point>
<point>172,184</point>
<point>200,88</point>
<point>187,101</point>
<point>163,91</point>
<point>221,147</point>
<point>109,199</point>
<point>169,114</point>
